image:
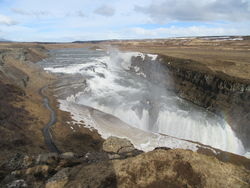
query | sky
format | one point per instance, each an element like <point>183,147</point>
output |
<point>70,20</point>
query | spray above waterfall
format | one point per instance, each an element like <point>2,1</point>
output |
<point>135,88</point>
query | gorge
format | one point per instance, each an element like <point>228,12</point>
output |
<point>118,118</point>
<point>142,92</point>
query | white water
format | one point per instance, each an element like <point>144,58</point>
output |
<point>140,101</point>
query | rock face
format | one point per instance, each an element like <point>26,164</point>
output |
<point>226,96</point>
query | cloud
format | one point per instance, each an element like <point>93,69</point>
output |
<point>80,13</point>
<point>5,20</point>
<point>77,13</point>
<point>192,10</point>
<point>99,19</point>
<point>105,10</point>
<point>38,13</point>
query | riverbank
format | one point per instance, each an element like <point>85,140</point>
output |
<point>23,115</point>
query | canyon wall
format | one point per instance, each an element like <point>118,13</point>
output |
<point>226,96</point>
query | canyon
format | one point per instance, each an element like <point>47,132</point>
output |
<point>218,90</point>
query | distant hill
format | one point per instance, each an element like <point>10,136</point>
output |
<point>4,40</point>
<point>95,41</point>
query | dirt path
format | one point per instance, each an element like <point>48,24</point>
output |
<point>46,130</point>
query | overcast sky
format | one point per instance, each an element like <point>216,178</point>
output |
<point>69,20</point>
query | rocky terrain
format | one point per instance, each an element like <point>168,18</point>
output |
<point>85,159</point>
<point>121,165</point>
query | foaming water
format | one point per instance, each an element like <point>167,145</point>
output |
<point>138,100</point>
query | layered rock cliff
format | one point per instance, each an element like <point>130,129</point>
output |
<point>226,96</point>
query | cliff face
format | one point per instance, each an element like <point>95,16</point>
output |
<point>226,96</point>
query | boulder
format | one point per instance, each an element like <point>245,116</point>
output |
<point>118,145</point>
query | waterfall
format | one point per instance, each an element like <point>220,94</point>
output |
<point>137,94</point>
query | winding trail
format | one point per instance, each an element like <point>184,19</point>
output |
<point>46,130</point>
